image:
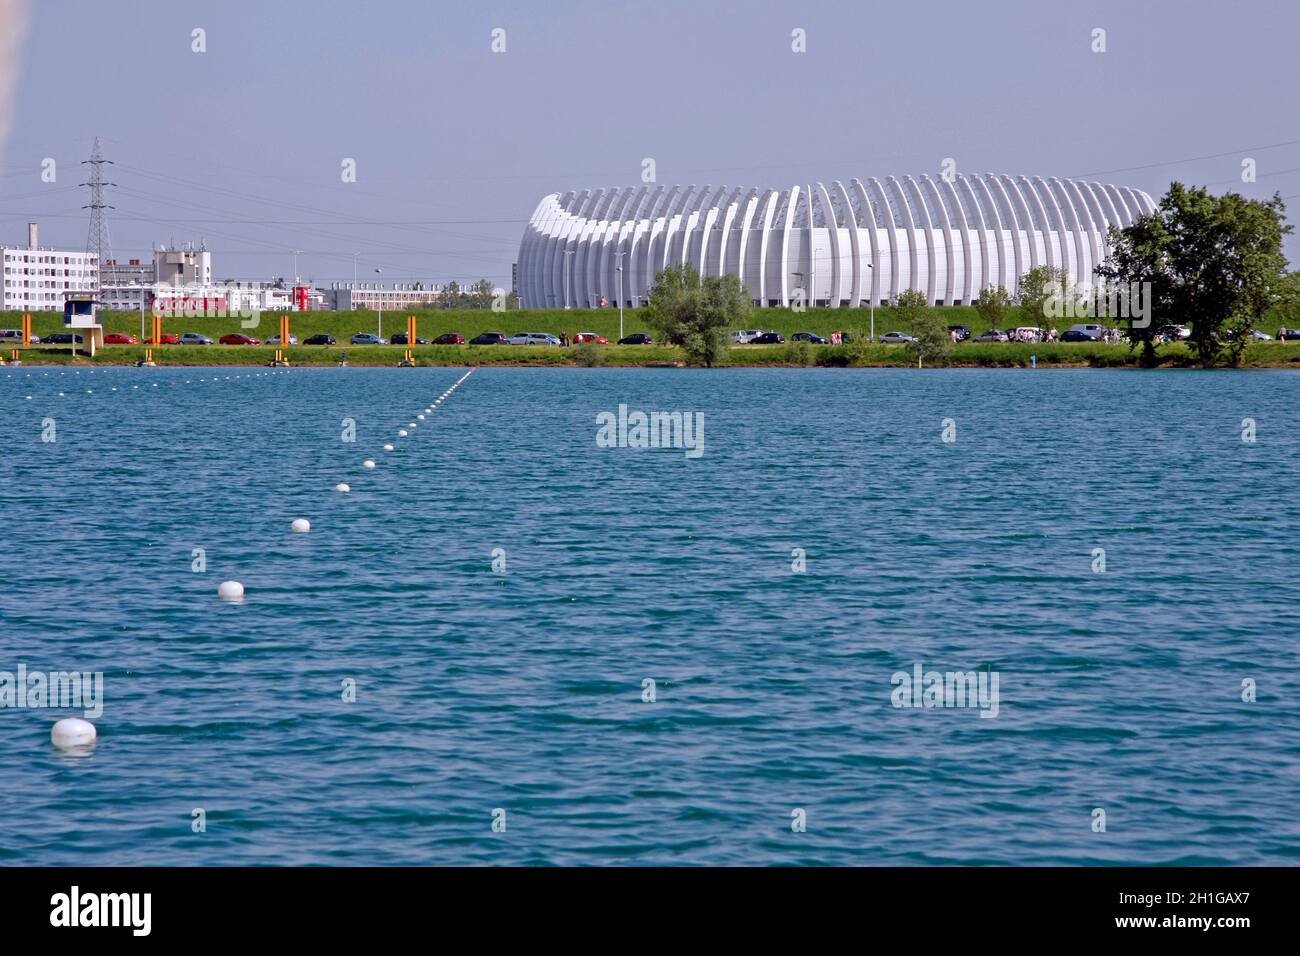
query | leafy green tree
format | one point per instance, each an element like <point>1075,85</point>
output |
<point>451,296</point>
<point>1037,286</point>
<point>931,341</point>
<point>1214,263</point>
<point>993,305</point>
<point>695,314</point>
<point>480,294</point>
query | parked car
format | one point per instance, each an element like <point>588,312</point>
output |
<point>636,338</point>
<point>992,335</point>
<point>169,338</point>
<point>896,338</point>
<point>745,336</point>
<point>1288,335</point>
<point>194,338</point>
<point>488,338</point>
<point>1079,335</point>
<point>120,338</point>
<point>1174,332</point>
<point>238,338</point>
<point>590,337</point>
<point>61,338</point>
<point>963,332</point>
<point>450,338</point>
<point>533,338</point>
<point>275,340</point>
<point>320,338</point>
<point>366,338</point>
<point>808,337</point>
<point>768,338</point>
<point>1092,328</point>
<point>400,339</point>
<point>1259,336</point>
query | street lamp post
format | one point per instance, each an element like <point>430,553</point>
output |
<point>873,303</point>
<point>379,292</point>
<point>619,270</point>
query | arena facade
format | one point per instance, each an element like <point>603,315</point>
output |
<point>862,242</point>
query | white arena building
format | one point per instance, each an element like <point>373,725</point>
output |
<point>863,242</point>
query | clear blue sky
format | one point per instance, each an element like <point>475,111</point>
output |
<point>455,144</point>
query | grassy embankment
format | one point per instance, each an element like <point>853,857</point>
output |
<point>470,322</point>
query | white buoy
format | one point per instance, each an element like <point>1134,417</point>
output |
<point>401,433</point>
<point>230,591</point>
<point>388,448</point>
<point>367,464</point>
<point>412,425</point>
<point>300,526</point>
<point>343,486</point>
<point>420,417</point>
<point>72,732</point>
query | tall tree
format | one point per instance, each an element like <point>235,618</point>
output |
<point>1035,288</point>
<point>931,341</point>
<point>1214,263</point>
<point>695,314</point>
<point>992,305</point>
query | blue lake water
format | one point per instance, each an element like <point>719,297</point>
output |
<point>476,690</point>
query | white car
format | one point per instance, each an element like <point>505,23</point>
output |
<point>194,338</point>
<point>745,336</point>
<point>1259,336</point>
<point>275,340</point>
<point>533,338</point>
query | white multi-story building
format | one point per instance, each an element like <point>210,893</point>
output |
<point>36,279</point>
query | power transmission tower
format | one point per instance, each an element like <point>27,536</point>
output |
<point>97,240</point>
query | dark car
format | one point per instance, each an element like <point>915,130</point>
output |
<point>963,332</point>
<point>400,339</point>
<point>1288,335</point>
<point>321,339</point>
<point>636,338</point>
<point>61,338</point>
<point>1076,335</point>
<point>768,338</point>
<point>449,338</point>
<point>488,338</point>
<point>808,337</point>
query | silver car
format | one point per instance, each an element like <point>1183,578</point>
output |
<point>896,338</point>
<point>194,338</point>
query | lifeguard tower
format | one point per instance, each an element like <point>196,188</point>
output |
<point>81,311</point>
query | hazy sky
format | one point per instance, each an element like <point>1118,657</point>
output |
<point>454,145</point>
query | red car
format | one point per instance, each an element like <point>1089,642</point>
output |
<point>170,338</point>
<point>120,338</point>
<point>591,337</point>
<point>449,338</point>
<point>238,338</point>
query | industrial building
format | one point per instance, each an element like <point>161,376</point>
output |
<point>847,245</point>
